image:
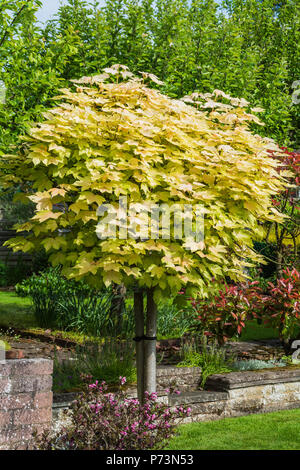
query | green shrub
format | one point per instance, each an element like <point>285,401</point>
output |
<point>107,361</point>
<point>173,321</point>
<point>46,290</point>
<point>92,312</point>
<point>211,358</point>
<point>73,305</point>
<point>3,274</point>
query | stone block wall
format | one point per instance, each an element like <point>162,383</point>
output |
<point>25,401</point>
<point>242,393</point>
<point>178,378</point>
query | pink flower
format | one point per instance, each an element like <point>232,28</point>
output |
<point>94,385</point>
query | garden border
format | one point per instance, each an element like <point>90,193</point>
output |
<point>240,393</point>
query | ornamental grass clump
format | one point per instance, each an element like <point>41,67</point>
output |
<point>112,421</point>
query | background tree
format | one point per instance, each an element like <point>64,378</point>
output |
<point>286,236</point>
<point>244,47</point>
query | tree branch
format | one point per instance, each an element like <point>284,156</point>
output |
<point>12,23</point>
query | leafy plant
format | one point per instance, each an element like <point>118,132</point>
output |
<point>104,361</point>
<point>83,155</point>
<point>224,316</point>
<point>209,357</point>
<point>173,322</point>
<point>243,47</point>
<point>286,236</point>
<point>112,421</point>
<point>69,305</point>
<point>150,265</point>
<point>91,312</point>
<point>46,290</point>
<point>280,305</point>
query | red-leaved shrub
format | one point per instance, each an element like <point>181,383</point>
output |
<point>224,316</point>
<point>279,306</point>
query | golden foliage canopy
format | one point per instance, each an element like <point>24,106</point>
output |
<point>115,136</point>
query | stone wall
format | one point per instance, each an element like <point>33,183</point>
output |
<point>226,395</point>
<point>25,400</point>
<point>178,378</point>
<point>243,393</point>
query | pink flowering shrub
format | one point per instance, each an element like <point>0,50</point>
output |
<point>111,421</point>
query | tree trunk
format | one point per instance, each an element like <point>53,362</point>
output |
<point>139,345</point>
<point>150,345</point>
<point>117,306</point>
<point>279,264</point>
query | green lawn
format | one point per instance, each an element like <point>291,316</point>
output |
<point>15,311</point>
<point>254,331</point>
<point>271,431</point>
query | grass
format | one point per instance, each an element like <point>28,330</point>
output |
<point>15,311</point>
<point>254,331</point>
<point>270,431</point>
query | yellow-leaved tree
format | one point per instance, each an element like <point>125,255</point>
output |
<point>114,137</point>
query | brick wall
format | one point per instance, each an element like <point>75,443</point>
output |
<point>25,400</point>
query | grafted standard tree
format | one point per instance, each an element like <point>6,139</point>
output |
<point>114,136</point>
